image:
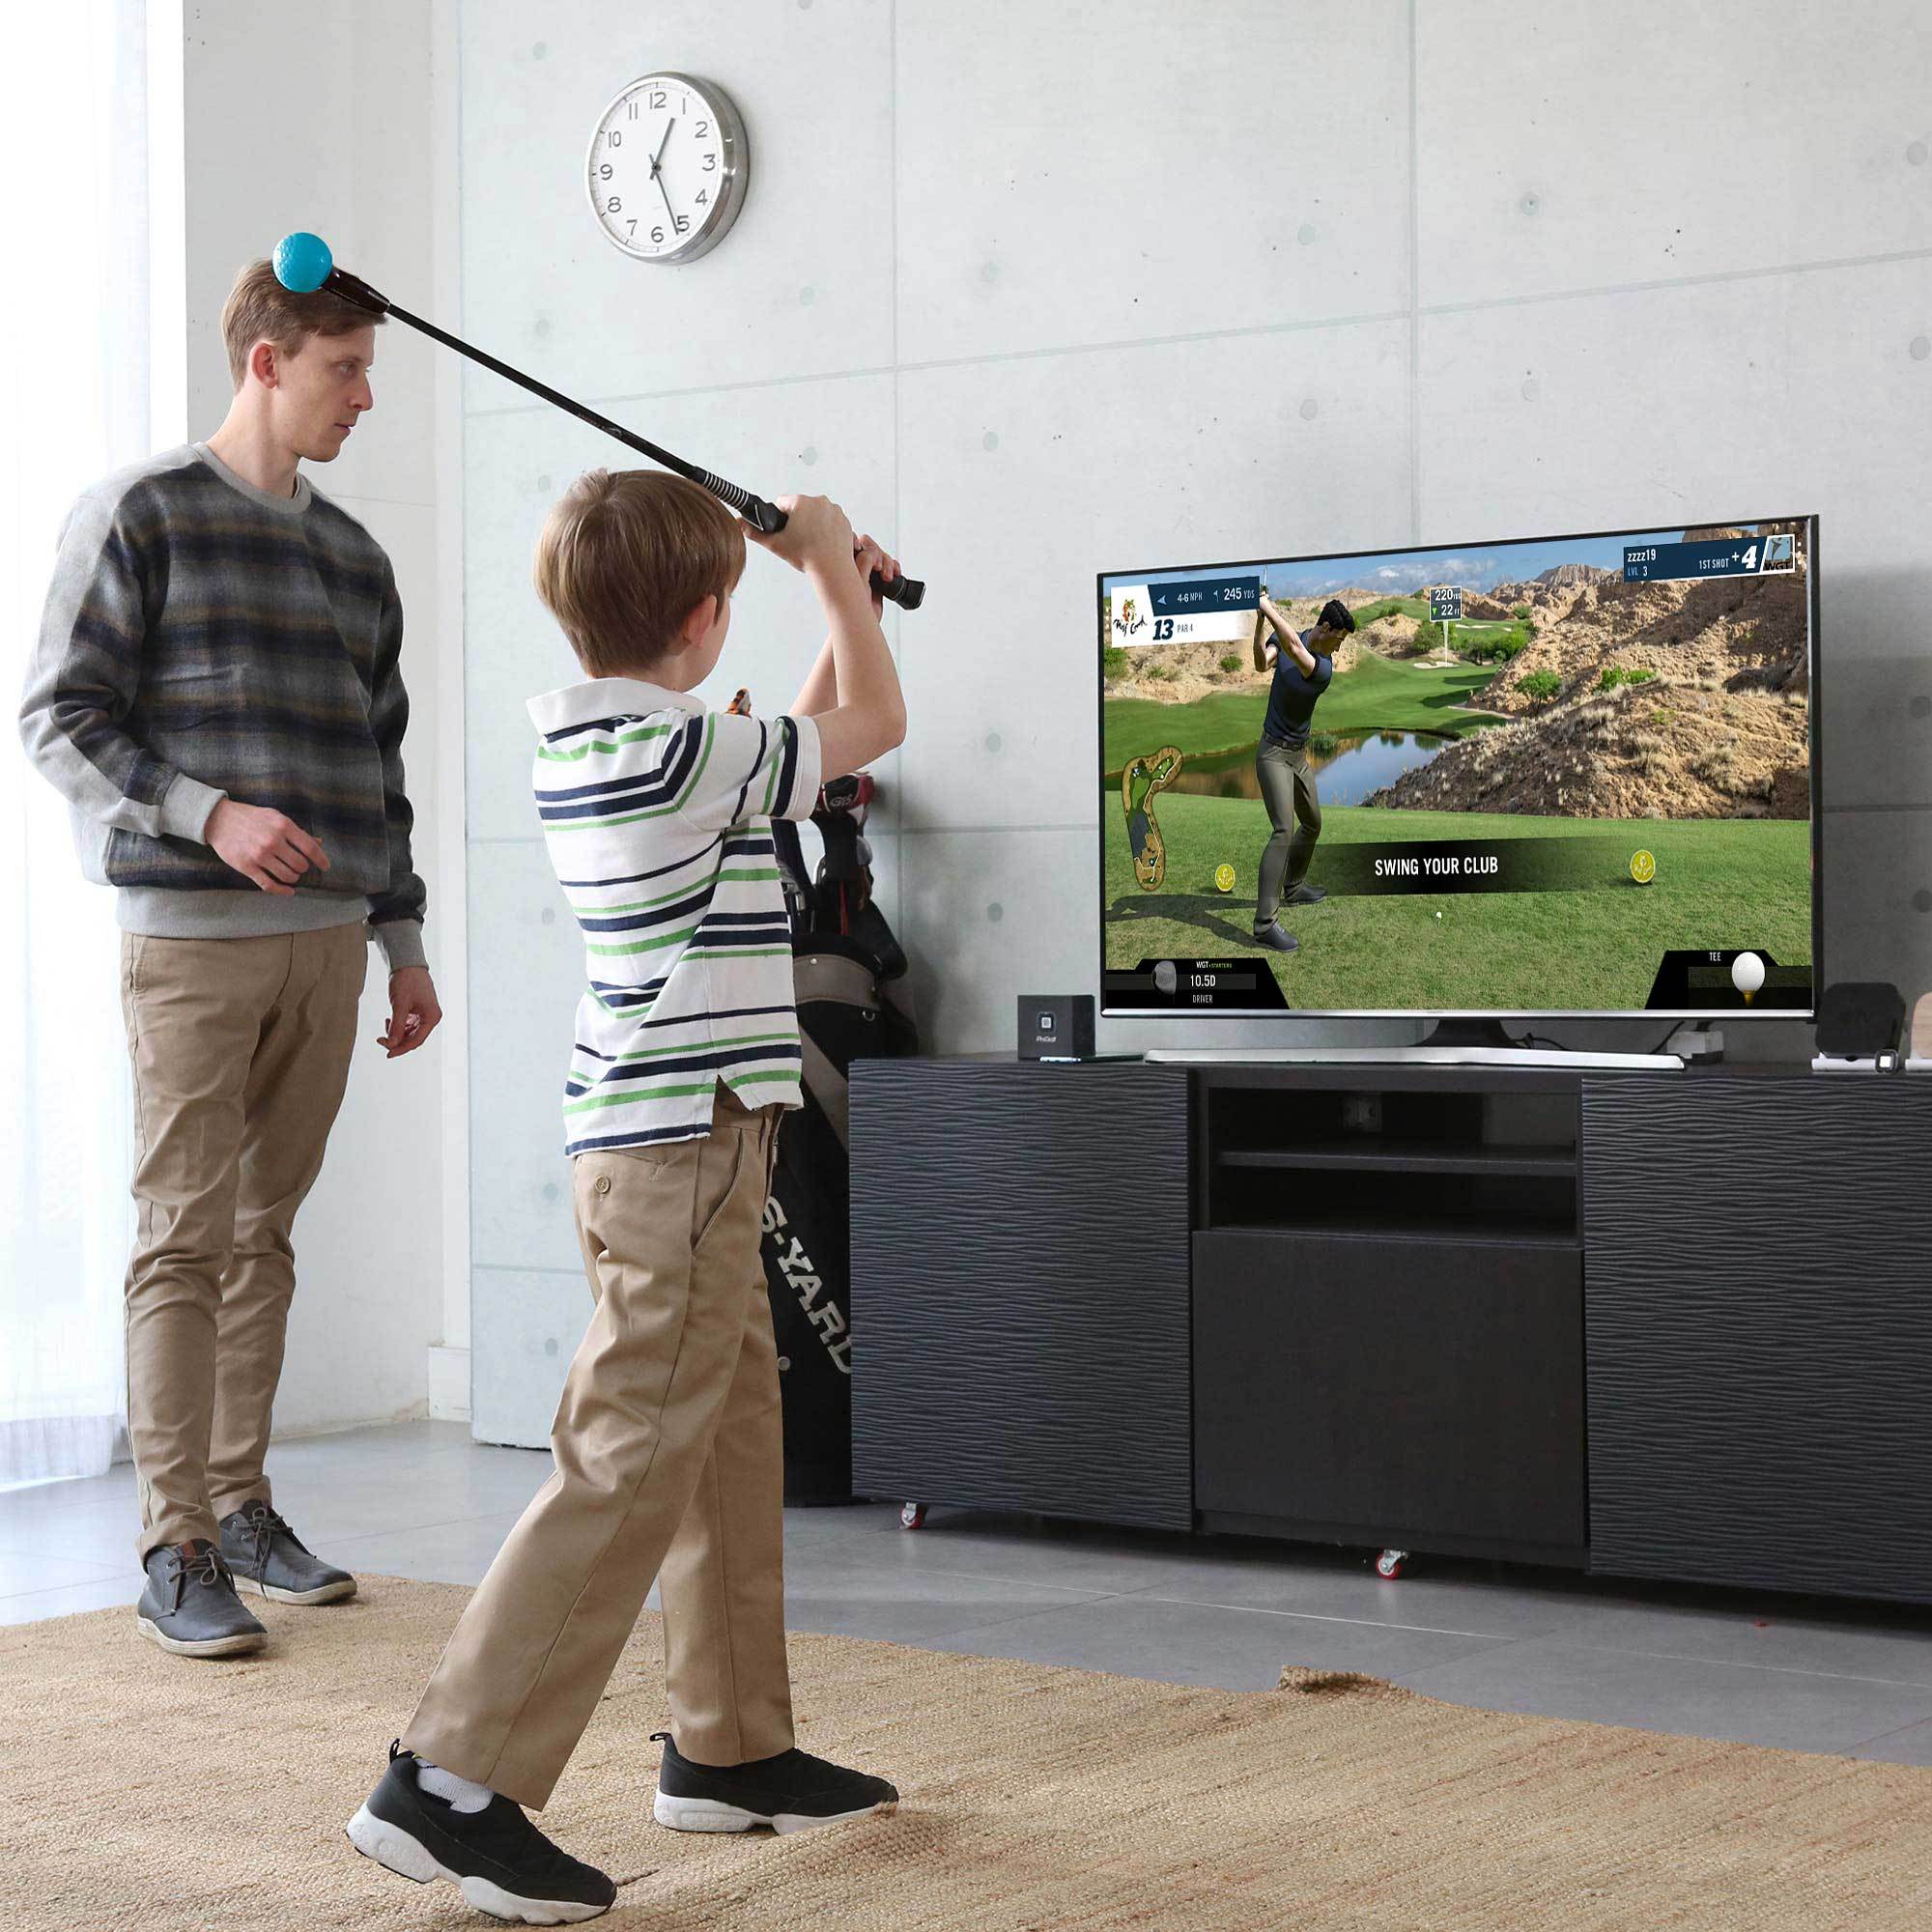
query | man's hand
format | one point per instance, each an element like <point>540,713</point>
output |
<point>413,1010</point>
<point>263,845</point>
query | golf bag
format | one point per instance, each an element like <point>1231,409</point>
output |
<point>849,972</point>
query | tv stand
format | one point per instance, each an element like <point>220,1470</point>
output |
<point>1651,1327</point>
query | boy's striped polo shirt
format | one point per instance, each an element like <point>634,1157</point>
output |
<point>657,811</point>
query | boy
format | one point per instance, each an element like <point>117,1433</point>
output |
<point>668,1442</point>
<point>217,691</point>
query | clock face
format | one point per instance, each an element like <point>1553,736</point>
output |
<point>667,168</point>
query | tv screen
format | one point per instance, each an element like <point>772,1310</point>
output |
<point>1571,775</point>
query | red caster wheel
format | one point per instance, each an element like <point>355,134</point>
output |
<point>1391,1563</point>
<point>912,1515</point>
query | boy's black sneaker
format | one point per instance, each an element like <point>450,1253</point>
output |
<point>500,1863</point>
<point>259,1546</point>
<point>791,1792</point>
<point>1275,939</point>
<point>190,1607</point>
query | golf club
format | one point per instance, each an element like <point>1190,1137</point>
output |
<point>304,263</point>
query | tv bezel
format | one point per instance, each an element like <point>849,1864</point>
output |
<point>1814,737</point>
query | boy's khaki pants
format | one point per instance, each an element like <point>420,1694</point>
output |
<point>241,1052</point>
<point>669,1456</point>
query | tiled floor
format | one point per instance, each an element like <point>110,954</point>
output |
<point>421,1499</point>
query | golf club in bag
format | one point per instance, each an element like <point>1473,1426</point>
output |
<point>852,1005</point>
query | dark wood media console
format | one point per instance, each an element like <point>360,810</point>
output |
<point>1650,1323</point>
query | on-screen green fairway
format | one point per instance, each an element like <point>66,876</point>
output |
<point>1376,695</point>
<point>1722,883</point>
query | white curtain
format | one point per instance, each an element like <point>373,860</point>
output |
<point>75,347</point>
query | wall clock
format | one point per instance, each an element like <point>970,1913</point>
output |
<point>668,167</point>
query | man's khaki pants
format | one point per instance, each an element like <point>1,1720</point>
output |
<point>670,1455</point>
<point>241,1053</point>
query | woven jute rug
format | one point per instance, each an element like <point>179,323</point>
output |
<point>139,1790</point>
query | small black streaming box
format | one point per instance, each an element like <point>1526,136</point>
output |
<point>1055,1026</point>
<point>1859,1019</point>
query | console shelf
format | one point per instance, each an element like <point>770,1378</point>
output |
<point>1381,1152</point>
<point>1409,1157</point>
<point>1472,1229</point>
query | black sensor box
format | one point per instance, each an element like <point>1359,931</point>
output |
<point>1055,1026</point>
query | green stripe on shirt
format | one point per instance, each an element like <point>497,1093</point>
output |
<point>683,892</point>
<point>653,945</point>
<point>591,744</point>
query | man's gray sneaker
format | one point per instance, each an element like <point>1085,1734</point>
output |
<point>189,1606</point>
<point>263,1550</point>
<point>1275,939</point>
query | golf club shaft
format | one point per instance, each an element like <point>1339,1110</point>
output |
<point>906,591</point>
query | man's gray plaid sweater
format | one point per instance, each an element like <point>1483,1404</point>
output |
<point>204,639</point>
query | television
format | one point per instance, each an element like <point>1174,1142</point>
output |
<point>1546,777</point>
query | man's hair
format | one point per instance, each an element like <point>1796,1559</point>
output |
<point>259,309</point>
<point>1336,617</point>
<point>624,559</point>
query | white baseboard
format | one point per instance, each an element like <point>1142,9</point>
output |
<point>448,1384</point>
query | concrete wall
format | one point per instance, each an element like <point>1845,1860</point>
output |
<point>1042,291</point>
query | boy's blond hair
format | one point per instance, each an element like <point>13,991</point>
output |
<point>259,309</point>
<point>626,557</point>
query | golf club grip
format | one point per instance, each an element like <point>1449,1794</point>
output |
<point>907,592</point>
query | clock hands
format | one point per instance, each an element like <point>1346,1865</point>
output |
<point>657,174</point>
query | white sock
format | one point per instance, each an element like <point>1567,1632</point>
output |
<point>463,1795</point>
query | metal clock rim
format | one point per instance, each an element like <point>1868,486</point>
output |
<point>734,169</point>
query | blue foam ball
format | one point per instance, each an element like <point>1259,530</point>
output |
<point>303,263</point>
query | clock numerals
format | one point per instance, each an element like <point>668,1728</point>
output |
<point>685,162</point>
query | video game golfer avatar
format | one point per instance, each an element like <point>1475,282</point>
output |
<point>1141,779</point>
<point>1303,668</point>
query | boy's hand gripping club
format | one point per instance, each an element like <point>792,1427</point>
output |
<point>304,263</point>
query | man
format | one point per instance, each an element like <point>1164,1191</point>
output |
<point>216,691</point>
<point>1302,667</point>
